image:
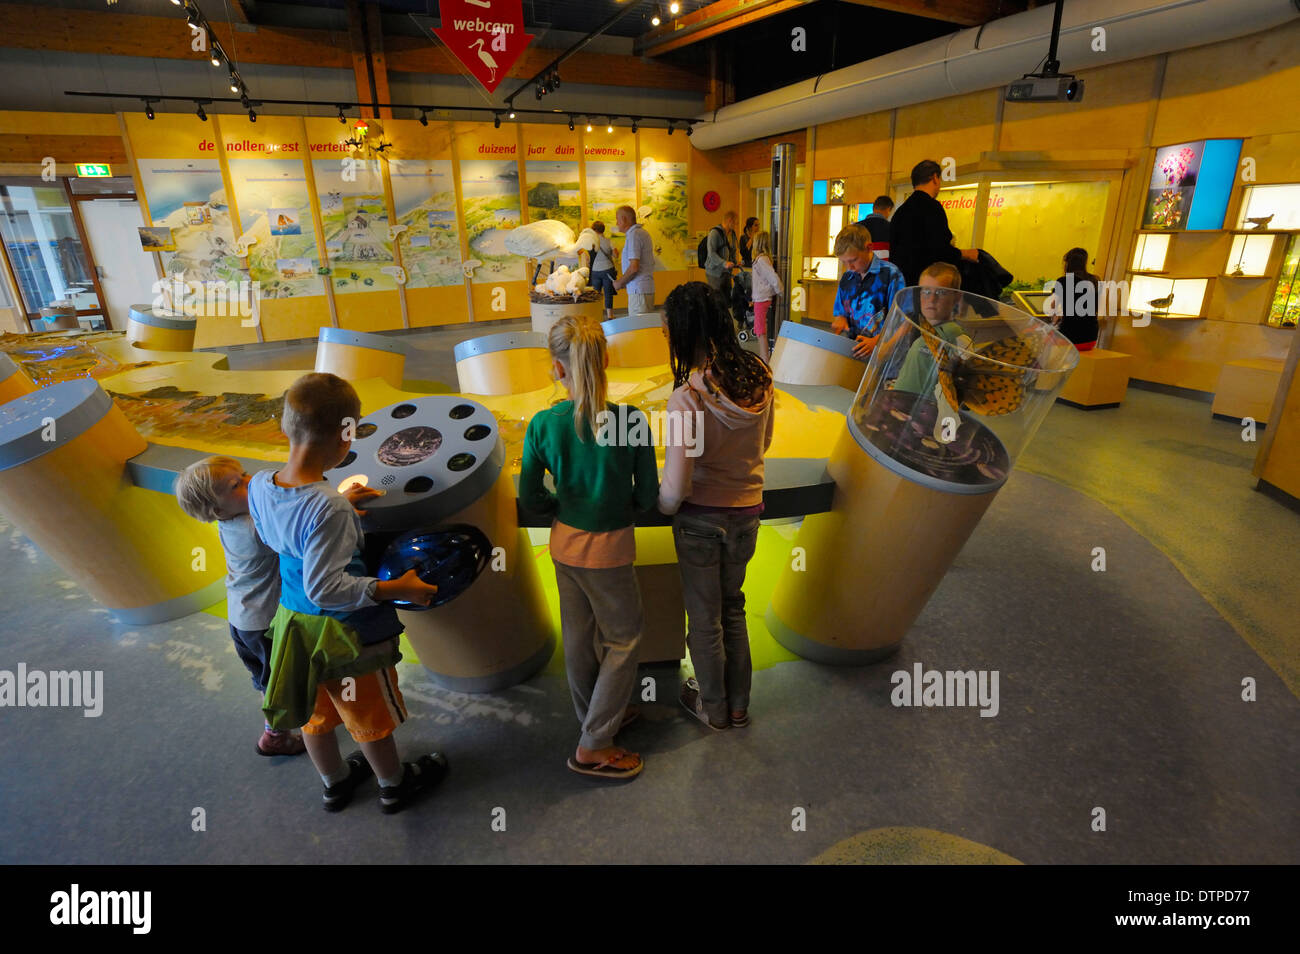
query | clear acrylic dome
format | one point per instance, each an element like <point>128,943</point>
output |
<point>956,387</point>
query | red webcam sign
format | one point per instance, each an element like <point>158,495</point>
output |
<point>487,36</point>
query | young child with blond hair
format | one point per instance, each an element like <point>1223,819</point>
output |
<point>334,636</point>
<point>601,481</point>
<point>216,488</point>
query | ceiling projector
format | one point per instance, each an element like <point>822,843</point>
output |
<point>1046,89</point>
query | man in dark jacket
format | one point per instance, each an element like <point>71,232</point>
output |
<point>919,233</point>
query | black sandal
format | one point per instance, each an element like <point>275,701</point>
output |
<point>338,795</point>
<point>418,778</point>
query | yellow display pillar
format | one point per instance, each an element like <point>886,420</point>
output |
<point>931,437</point>
<point>155,331</point>
<point>637,341</point>
<point>511,363</point>
<point>63,483</point>
<point>544,314</point>
<point>1278,463</point>
<point>358,355</point>
<point>441,461</point>
<point>807,355</point>
<point>13,382</point>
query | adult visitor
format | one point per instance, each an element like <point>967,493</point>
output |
<point>866,290</point>
<point>918,233</point>
<point>1073,301</point>
<point>877,223</point>
<point>602,268</point>
<point>638,263</point>
<point>746,245</point>
<point>722,256</point>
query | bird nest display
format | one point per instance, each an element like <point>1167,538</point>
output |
<point>546,298</point>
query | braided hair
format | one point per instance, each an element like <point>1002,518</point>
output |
<point>702,335</point>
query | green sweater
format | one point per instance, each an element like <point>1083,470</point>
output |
<point>599,486</point>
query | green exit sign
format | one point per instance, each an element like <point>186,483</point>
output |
<point>93,170</point>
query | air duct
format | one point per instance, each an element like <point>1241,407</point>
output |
<point>992,55</point>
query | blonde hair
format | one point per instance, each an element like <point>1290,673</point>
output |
<point>578,343</point>
<point>196,487</point>
<point>851,238</point>
<point>317,407</point>
<point>943,272</point>
<point>763,245</point>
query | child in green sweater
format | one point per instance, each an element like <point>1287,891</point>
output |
<point>940,299</point>
<point>602,461</point>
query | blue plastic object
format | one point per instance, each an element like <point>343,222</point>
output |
<point>450,558</point>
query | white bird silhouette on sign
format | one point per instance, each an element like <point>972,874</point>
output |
<point>487,59</point>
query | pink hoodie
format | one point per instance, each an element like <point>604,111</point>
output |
<point>728,472</point>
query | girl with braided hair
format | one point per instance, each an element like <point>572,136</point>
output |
<point>600,486</point>
<point>713,486</point>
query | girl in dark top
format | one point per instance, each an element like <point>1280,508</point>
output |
<point>747,241</point>
<point>1073,305</point>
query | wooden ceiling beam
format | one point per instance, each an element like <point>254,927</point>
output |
<point>710,21</point>
<point>961,12</point>
<point>34,27</point>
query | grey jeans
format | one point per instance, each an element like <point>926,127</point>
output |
<point>713,552</point>
<point>600,620</point>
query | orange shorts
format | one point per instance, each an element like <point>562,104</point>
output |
<point>370,706</point>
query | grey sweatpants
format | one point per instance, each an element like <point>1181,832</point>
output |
<point>600,619</point>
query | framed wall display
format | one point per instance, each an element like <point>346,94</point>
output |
<point>1270,208</point>
<point>1285,309</point>
<point>1190,185</point>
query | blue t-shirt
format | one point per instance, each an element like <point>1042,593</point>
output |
<point>318,536</point>
<point>865,299</point>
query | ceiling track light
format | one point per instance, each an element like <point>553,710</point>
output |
<point>496,120</point>
<point>674,8</point>
<point>688,130</point>
<point>671,127</point>
<point>512,114</point>
<point>654,20</point>
<point>148,108</point>
<point>343,119</point>
<point>570,124</point>
<point>200,113</point>
<point>424,117</point>
<point>633,124</point>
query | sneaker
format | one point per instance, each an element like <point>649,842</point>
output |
<point>337,796</point>
<point>275,742</point>
<point>418,778</point>
<point>690,700</point>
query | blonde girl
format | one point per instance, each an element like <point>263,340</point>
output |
<point>767,285</point>
<point>602,481</point>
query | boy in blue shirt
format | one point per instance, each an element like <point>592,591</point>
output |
<point>334,637</point>
<point>866,290</point>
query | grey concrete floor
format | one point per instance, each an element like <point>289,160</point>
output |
<point>1119,690</point>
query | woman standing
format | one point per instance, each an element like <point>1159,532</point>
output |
<point>1073,303</point>
<point>602,268</point>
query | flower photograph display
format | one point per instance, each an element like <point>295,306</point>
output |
<point>1173,181</point>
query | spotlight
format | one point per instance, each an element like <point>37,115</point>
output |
<point>634,124</point>
<point>496,120</point>
<point>176,3</point>
<point>512,114</point>
<point>216,58</point>
<point>674,8</point>
<point>252,116</point>
<point>424,118</point>
<point>148,109</point>
<point>555,81</point>
<point>245,101</point>
<point>609,128</point>
<point>671,127</point>
<point>343,120</point>
<point>540,91</point>
<point>570,124</point>
<point>688,130</point>
<point>201,114</point>
<point>654,20</point>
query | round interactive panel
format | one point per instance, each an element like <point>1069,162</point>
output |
<point>431,457</point>
<point>154,331</point>
<point>13,382</point>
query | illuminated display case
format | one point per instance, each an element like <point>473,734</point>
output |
<point>1249,256</point>
<point>1180,298</point>
<point>1150,252</point>
<point>1285,310</point>
<point>1275,208</point>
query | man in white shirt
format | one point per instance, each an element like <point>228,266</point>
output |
<point>638,263</point>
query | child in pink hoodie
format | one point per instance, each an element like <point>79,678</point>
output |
<point>713,485</point>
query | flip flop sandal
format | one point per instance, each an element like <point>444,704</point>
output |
<point>607,768</point>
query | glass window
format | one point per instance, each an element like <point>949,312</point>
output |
<point>1031,225</point>
<point>44,248</point>
<point>113,185</point>
<point>959,203</point>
